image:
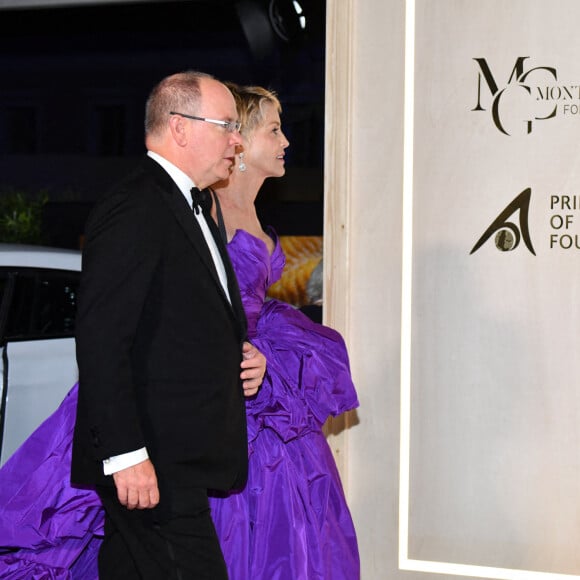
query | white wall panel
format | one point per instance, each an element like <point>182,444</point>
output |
<point>488,383</point>
<point>493,388</point>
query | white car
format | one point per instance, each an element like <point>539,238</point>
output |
<point>38,295</point>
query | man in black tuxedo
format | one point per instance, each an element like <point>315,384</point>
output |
<point>163,362</point>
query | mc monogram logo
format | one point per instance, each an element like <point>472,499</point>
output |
<point>519,84</point>
<point>507,234</point>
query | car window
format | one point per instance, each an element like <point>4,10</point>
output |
<point>42,303</point>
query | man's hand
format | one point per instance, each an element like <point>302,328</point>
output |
<point>137,486</point>
<point>253,369</point>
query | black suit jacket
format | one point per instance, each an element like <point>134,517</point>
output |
<point>158,343</point>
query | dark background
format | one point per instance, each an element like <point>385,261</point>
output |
<point>74,80</point>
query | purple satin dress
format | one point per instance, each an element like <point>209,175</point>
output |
<point>290,522</point>
<point>48,529</point>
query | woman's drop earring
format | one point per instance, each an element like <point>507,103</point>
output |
<point>242,165</point>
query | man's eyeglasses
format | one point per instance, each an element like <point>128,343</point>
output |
<point>229,126</point>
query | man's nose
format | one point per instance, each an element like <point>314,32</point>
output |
<point>235,138</point>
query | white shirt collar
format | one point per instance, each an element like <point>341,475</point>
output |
<point>183,181</point>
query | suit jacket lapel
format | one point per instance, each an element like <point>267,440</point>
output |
<point>233,287</point>
<point>188,222</point>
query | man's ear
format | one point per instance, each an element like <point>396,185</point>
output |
<point>178,128</point>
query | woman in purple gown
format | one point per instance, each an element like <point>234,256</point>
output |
<point>291,520</point>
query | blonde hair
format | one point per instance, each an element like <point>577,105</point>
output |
<point>250,101</point>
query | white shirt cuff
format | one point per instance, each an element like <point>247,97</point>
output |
<point>118,462</point>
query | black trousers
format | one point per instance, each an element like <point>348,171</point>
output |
<point>178,541</point>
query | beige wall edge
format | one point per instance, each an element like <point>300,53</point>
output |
<point>337,185</point>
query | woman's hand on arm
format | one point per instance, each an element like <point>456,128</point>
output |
<point>253,369</point>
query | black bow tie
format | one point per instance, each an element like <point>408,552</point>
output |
<point>201,199</point>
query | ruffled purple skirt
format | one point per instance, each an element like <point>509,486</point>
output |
<point>291,521</point>
<point>48,529</point>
